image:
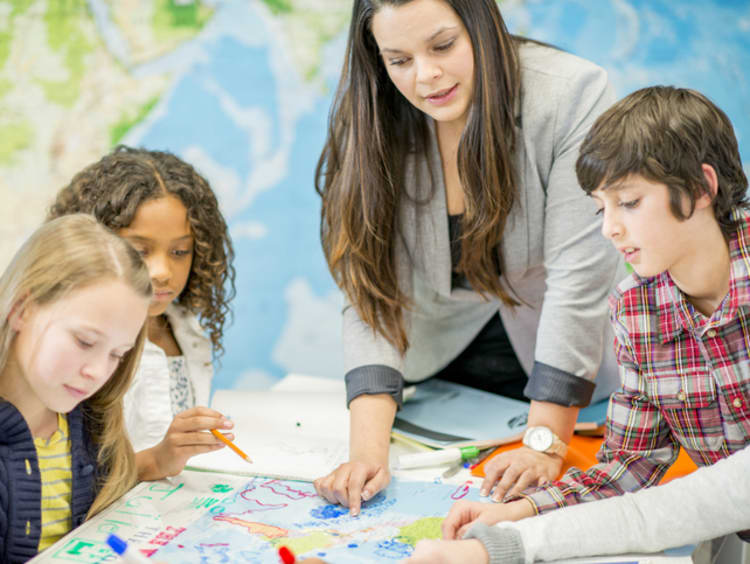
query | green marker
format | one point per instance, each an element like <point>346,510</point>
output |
<point>437,457</point>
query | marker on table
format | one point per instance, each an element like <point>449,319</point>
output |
<point>286,555</point>
<point>437,457</point>
<point>126,553</point>
<point>219,435</point>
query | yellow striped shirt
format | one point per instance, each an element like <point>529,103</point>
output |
<point>57,483</point>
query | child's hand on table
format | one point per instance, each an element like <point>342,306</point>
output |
<point>448,552</point>
<point>464,514</point>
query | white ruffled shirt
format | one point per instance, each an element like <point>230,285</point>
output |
<point>148,404</point>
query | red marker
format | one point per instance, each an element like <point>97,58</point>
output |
<point>286,555</point>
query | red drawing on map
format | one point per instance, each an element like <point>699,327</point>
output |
<point>461,491</point>
<point>282,489</point>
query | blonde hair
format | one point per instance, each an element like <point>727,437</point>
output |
<point>63,255</point>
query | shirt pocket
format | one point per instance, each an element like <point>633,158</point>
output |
<point>734,401</point>
<point>688,403</point>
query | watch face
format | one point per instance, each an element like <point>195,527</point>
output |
<point>540,438</point>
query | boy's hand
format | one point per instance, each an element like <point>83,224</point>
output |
<point>187,436</point>
<point>353,482</point>
<point>449,552</point>
<point>513,471</point>
<point>464,514</point>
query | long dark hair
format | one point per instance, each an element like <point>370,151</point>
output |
<point>372,128</point>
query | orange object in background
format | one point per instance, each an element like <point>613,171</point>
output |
<point>582,454</point>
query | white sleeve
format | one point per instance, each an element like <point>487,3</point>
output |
<point>147,403</point>
<point>711,502</point>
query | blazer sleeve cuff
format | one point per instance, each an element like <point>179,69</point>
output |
<point>550,384</point>
<point>374,379</point>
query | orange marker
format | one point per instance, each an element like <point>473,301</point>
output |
<point>216,433</point>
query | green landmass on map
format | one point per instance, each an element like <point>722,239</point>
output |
<point>5,86</point>
<point>130,120</point>
<point>279,6</point>
<point>17,7</point>
<point>5,37</point>
<point>316,540</point>
<point>174,20</point>
<point>14,137</point>
<point>64,22</point>
<point>425,528</point>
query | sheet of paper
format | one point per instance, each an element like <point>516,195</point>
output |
<point>305,413</point>
<point>293,435</point>
<point>280,455</point>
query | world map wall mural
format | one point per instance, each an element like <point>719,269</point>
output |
<point>241,89</point>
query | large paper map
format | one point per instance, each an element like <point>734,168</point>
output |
<point>213,518</point>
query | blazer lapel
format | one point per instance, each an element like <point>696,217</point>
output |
<point>433,229</point>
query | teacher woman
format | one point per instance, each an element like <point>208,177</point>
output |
<point>453,223</point>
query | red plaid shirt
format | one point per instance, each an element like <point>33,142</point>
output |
<point>686,382</point>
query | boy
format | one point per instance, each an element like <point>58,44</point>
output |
<point>663,167</point>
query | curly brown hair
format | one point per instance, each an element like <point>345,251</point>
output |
<point>113,188</point>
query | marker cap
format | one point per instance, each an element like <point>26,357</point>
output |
<point>469,452</point>
<point>117,545</point>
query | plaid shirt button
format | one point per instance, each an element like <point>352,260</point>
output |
<point>737,402</point>
<point>711,333</point>
<point>681,395</point>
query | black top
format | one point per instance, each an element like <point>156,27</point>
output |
<point>489,362</point>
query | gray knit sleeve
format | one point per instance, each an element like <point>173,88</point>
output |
<point>503,545</point>
<point>547,383</point>
<point>374,379</point>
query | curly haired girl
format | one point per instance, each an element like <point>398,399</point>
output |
<point>169,213</point>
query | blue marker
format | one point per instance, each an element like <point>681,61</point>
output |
<point>126,554</point>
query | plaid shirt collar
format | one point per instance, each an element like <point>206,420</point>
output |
<point>675,314</point>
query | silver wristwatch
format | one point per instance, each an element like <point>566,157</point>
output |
<point>542,439</point>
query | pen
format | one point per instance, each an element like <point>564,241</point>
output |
<point>482,457</point>
<point>286,555</point>
<point>216,433</point>
<point>437,457</point>
<point>126,553</point>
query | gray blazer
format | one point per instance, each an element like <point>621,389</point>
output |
<point>556,260</point>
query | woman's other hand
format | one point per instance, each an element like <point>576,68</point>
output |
<point>513,471</point>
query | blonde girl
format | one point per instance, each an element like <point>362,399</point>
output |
<point>73,303</point>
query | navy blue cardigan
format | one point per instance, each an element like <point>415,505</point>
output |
<point>21,487</point>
